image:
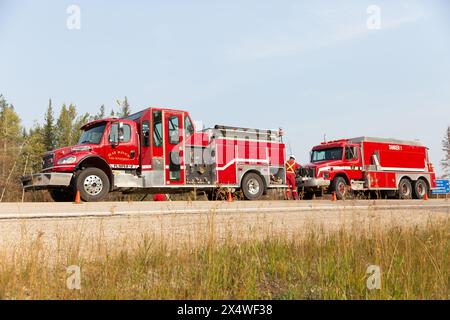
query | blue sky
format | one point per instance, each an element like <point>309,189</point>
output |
<point>311,67</point>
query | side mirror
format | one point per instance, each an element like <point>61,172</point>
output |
<point>116,133</point>
<point>120,131</point>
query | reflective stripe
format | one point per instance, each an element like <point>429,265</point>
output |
<point>290,167</point>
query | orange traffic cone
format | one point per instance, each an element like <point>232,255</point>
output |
<point>334,198</point>
<point>425,197</point>
<point>230,198</point>
<point>77,197</point>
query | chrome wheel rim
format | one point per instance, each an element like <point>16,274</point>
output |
<point>253,186</point>
<point>341,187</point>
<point>93,185</point>
<point>405,189</point>
<point>421,189</point>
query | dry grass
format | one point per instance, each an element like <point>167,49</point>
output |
<point>415,264</point>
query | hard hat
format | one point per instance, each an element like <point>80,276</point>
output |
<point>292,156</point>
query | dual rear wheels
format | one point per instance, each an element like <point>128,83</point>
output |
<point>409,190</point>
<point>406,189</point>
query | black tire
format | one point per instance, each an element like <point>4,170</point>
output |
<point>93,184</point>
<point>252,186</point>
<point>340,186</point>
<point>405,190</point>
<point>420,189</point>
<point>62,195</point>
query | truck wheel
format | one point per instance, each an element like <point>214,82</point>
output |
<point>93,184</point>
<point>341,188</point>
<point>404,189</point>
<point>252,186</point>
<point>420,189</point>
<point>64,195</point>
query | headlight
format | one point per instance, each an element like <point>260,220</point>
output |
<point>67,160</point>
<point>326,175</point>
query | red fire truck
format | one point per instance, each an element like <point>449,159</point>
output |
<point>393,167</point>
<point>158,151</point>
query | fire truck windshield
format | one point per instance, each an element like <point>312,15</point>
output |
<point>93,135</point>
<point>326,154</point>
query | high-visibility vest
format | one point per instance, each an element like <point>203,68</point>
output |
<point>291,166</point>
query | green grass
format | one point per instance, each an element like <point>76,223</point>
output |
<point>414,262</point>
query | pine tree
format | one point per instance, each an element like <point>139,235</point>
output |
<point>446,148</point>
<point>76,132</point>
<point>65,125</point>
<point>48,130</point>
<point>101,113</point>
<point>35,147</point>
<point>125,108</point>
<point>10,144</point>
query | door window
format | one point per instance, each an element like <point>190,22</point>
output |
<point>188,127</point>
<point>351,153</point>
<point>174,166</point>
<point>174,130</point>
<point>145,133</point>
<point>157,129</point>
<point>115,136</point>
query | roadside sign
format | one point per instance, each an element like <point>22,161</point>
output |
<point>442,187</point>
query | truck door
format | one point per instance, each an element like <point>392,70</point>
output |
<point>173,147</point>
<point>121,151</point>
<point>146,148</point>
<point>353,160</point>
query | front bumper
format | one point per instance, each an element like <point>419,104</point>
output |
<point>46,180</point>
<point>313,183</point>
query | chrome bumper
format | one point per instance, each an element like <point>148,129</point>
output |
<point>313,183</point>
<point>45,180</point>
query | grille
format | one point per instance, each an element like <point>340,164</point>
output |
<point>308,172</point>
<point>47,161</point>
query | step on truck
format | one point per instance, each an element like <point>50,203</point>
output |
<point>389,167</point>
<point>159,151</point>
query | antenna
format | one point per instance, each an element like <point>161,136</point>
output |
<point>325,137</point>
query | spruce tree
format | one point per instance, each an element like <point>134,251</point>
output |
<point>76,132</point>
<point>11,141</point>
<point>65,125</point>
<point>49,129</point>
<point>125,108</point>
<point>101,113</point>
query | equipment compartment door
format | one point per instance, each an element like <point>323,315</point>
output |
<point>173,148</point>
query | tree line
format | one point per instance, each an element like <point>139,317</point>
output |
<point>22,148</point>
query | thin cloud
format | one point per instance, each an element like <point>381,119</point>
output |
<point>258,48</point>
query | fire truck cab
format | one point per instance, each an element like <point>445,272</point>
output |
<point>159,151</point>
<point>391,166</point>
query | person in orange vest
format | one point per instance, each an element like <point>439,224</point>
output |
<point>291,169</point>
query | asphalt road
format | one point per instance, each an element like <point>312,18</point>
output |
<point>129,209</point>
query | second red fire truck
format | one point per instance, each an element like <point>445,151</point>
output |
<point>388,166</point>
